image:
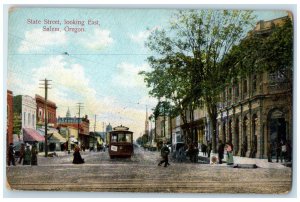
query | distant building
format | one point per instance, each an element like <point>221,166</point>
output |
<point>75,122</point>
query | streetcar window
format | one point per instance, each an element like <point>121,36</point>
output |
<point>128,137</point>
<point>121,137</point>
<point>114,138</point>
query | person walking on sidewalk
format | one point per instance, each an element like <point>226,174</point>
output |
<point>209,147</point>
<point>27,156</point>
<point>11,154</point>
<point>229,149</point>
<point>278,151</point>
<point>283,152</point>
<point>164,154</point>
<point>22,152</point>
<point>220,151</point>
<point>34,153</point>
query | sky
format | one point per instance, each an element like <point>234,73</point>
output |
<point>98,67</point>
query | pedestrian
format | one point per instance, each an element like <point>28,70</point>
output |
<point>220,151</point>
<point>22,152</point>
<point>27,155</point>
<point>269,152</point>
<point>278,151</point>
<point>195,152</point>
<point>34,153</point>
<point>164,154</point>
<point>288,151</point>
<point>283,152</point>
<point>11,154</point>
<point>181,154</point>
<point>204,149</point>
<point>244,148</point>
<point>77,157</point>
<point>253,147</point>
<point>208,149</point>
<point>229,149</point>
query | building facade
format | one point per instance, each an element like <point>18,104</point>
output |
<point>25,108</point>
<point>81,125</point>
<point>40,111</point>
<point>254,112</point>
<point>9,117</point>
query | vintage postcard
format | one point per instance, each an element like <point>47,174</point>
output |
<point>149,100</point>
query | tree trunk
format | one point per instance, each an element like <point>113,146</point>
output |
<point>212,114</point>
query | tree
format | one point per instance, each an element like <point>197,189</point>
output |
<point>187,67</point>
<point>268,50</point>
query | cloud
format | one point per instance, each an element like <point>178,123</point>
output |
<point>127,75</point>
<point>98,40</point>
<point>38,40</point>
<point>70,85</point>
<point>142,36</point>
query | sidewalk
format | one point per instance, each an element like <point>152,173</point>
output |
<point>261,163</point>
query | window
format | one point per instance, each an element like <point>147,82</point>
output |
<point>32,120</point>
<point>245,86</point>
<point>24,121</point>
<point>229,93</point>
<point>29,118</point>
<point>40,112</point>
<point>124,137</point>
<point>237,90</point>
<point>162,126</point>
<point>114,138</point>
<point>254,86</point>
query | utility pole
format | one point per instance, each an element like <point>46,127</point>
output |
<point>45,85</point>
<point>79,107</point>
<point>94,132</point>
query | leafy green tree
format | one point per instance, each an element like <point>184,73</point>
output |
<point>268,50</point>
<point>187,68</point>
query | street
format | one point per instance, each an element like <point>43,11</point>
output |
<point>142,174</point>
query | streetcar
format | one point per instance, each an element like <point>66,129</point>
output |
<point>120,142</point>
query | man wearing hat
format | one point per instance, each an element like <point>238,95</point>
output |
<point>11,155</point>
<point>27,155</point>
<point>164,154</point>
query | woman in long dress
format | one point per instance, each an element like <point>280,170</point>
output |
<point>229,149</point>
<point>77,157</point>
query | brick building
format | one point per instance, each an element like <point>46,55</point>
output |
<point>9,117</point>
<point>73,122</point>
<point>51,111</point>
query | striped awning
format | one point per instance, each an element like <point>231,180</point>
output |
<point>31,135</point>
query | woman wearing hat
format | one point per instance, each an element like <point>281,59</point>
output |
<point>27,155</point>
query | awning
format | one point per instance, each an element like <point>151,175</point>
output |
<point>31,135</point>
<point>56,137</point>
<point>53,135</point>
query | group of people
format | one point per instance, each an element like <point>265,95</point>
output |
<point>283,151</point>
<point>206,149</point>
<point>27,155</point>
<point>192,151</point>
